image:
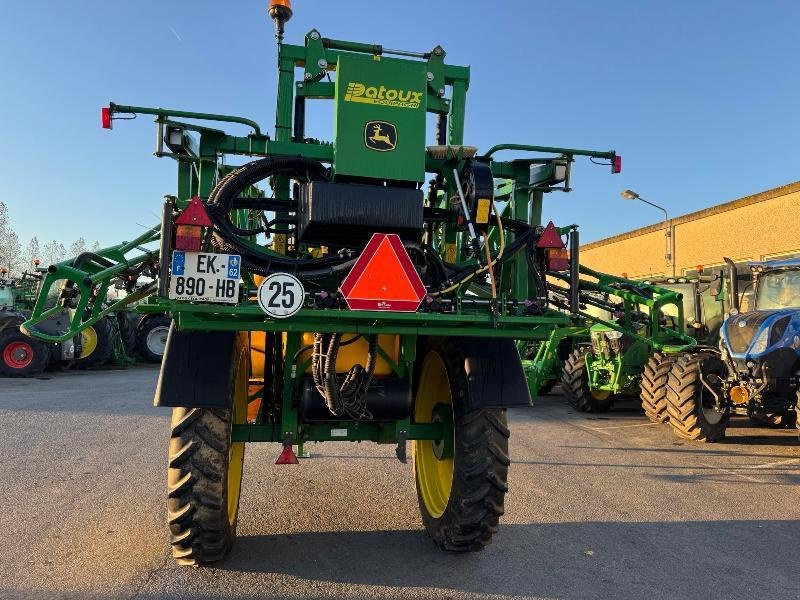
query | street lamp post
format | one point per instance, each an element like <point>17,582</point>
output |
<point>631,195</point>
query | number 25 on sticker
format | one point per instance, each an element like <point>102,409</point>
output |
<point>281,295</point>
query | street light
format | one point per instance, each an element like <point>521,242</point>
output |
<point>631,195</point>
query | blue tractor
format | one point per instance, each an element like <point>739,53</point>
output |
<point>757,367</point>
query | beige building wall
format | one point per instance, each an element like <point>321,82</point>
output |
<point>757,227</point>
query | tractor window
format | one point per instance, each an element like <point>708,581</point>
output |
<point>6,296</point>
<point>778,289</point>
<point>671,311</point>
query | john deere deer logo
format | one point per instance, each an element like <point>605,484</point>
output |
<point>380,136</point>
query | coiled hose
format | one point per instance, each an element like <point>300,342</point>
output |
<point>228,238</point>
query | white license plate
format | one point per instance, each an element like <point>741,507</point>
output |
<point>205,277</point>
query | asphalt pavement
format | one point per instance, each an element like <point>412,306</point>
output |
<point>605,506</point>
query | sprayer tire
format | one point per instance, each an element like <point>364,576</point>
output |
<point>463,516</point>
<point>686,397</point>
<point>204,473</point>
<point>575,384</point>
<point>653,391</point>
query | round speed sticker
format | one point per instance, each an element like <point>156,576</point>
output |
<point>281,295</point>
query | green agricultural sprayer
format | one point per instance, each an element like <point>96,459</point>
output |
<point>323,292</point>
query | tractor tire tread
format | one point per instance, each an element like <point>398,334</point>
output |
<point>199,530</point>
<point>480,476</point>
<point>653,391</point>
<point>686,420</point>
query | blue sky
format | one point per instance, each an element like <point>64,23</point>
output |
<point>700,98</point>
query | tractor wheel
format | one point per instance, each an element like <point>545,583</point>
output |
<point>692,409</point>
<point>21,356</point>
<point>151,338</point>
<point>97,345</point>
<point>204,473</point>
<point>127,331</point>
<point>653,392</point>
<point>575,384</point>
<point>461,480</point>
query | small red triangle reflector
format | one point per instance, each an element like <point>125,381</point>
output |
<point>194,214</point>
<point>287,457</point>
<point>550,238</point>
<point>383,278</point>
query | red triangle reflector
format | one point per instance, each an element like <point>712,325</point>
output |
<point>383,278</point>
<point>194,214</point>
<point>550,238</point>
<point>287,457</point>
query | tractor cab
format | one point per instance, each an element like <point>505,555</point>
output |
<point>773,323</point>
<point>704,304</point>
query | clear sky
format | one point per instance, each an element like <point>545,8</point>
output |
<point>700,98</point>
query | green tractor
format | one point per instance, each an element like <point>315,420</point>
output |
<point>345,303</point>
<point>613,364</point>
<point>21,356</point>
<point>610,364</point>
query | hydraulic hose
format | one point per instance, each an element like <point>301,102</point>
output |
<point>228,237</point>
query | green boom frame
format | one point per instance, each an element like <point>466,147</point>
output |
<point>200,157</point>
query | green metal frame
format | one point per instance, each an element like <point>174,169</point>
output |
<point>199,167</point>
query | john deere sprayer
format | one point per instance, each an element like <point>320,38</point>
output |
<point>365,288</point>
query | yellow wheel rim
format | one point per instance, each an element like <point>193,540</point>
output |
<point>238,416</point>
<point>88,341</point>
<point>600,394</point>
<point>434,474</point>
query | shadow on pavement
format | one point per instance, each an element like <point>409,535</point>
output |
<point>565,560</point>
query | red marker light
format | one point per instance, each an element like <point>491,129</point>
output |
<point>556,259</point>
<point>105,117</point>
<point>287,457</point>
<point>190,223</point>
<point>616,165</point>
<point>550,238</point>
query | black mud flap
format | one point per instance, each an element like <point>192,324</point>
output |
<point>494,373</point>
<point>195,372</point>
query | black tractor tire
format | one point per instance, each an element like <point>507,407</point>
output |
<point>98,352</point>
<point>151,337</point>
<point>688,402</point>
<point>127,331</point>
<point>202,529</point>
<point>480,459</point>
<point>653,389</point>
<point>575,385</point>
<point>21,356</point>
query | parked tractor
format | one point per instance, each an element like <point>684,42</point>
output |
<point>345,304</point>
<point>756,367</point>
<point>625,339</point>
<point>21,356</point>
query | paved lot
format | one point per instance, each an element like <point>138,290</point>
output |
<point>599,507</point>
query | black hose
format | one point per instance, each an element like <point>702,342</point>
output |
<point>350,397</point>
<point>228,237</point>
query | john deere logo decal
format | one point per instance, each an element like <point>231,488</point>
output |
<point>380,136</point>
<point>358,92</point>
